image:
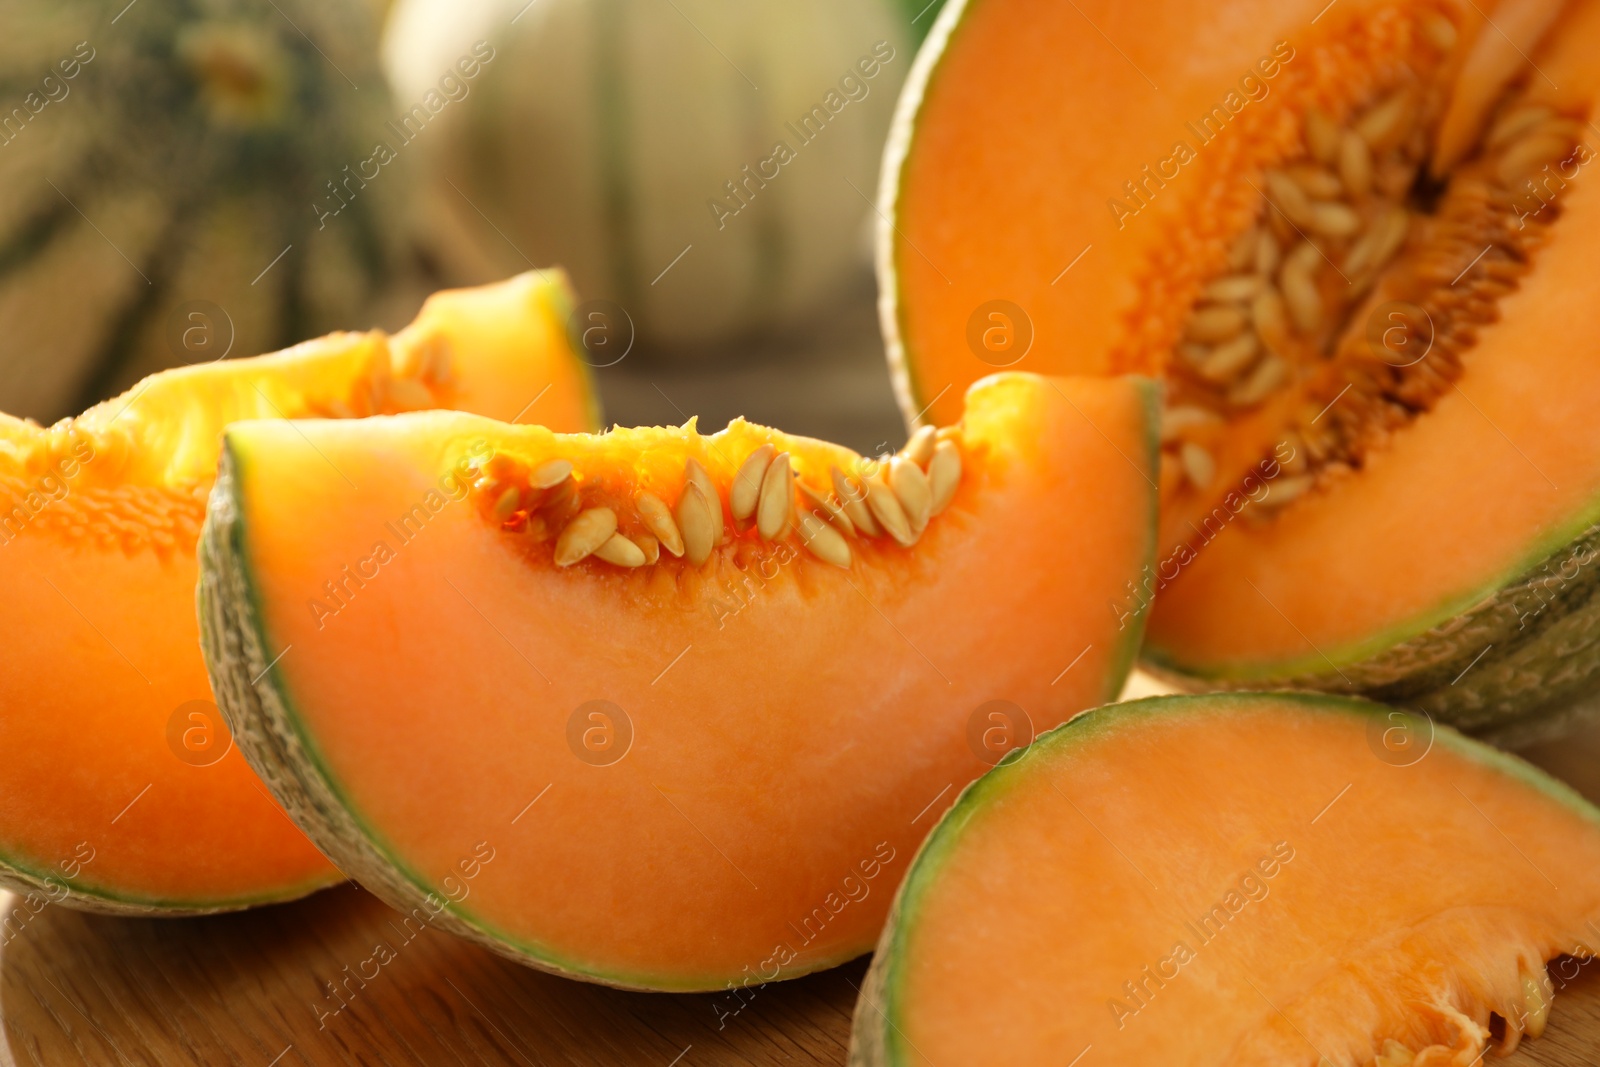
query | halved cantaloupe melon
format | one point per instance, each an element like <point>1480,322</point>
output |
<point>118,788</point>
<point>1358,243</point>
<point>1243,879</point>
<point>657,709</point>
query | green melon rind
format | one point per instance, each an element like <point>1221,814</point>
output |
<point>891,176</point>
<point>1475,662</point>
<point>1422,665</point>
<point>81,894</point>
<point>877,1039</point>
<point>254,698</point>
<point>1151,393</point>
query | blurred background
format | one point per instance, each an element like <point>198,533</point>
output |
<point>189,180</point>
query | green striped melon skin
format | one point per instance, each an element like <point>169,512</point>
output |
<point>602,131</point>
<point>1519,664</point>
<point>182,158</point>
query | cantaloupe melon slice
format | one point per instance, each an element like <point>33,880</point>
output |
<point>118,790</point>
<point>1242,879</point>
<point>1358,242</point>
<point>516,712</point>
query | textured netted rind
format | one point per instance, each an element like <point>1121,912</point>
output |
<point>251,699</point>
<point>1521,664</point>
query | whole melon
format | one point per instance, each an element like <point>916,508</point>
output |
<point>706,165</point>
<point>184,180</point>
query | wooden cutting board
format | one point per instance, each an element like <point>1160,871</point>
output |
<point>249,989</point>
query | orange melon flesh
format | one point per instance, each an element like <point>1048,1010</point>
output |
<point>1236,879</point>
<point>109,791</point>
<point>796,727</point>
<point>1502,472</point>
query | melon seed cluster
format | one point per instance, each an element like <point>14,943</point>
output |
<point>1528,1019</point>
<point>894,499</point>
<point>1342,226</point>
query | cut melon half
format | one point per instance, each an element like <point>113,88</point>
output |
<point>119,788</point>
<point>1358,244</point>
<point>1251,879</point>
<point>657,709</point>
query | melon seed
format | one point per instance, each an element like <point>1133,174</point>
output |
<point>584,535</point>
<point>1198,466</point>
<point>1318,182</point>
<point>944,475</point>
<point>506,503</point>
<point>1332,219</point>
<point>1299,285</point>
<point>1227,360</point>
<point>1386,125</point>
<point>1322,137</point>
<point>657,519</point>
<point>854,502</point>
<point>745,492</point>
<point>550,473</point>
<point>1355,165</point>
<point>1530,154</point>
<point>1516,122</point>
<point>1270,373</point>
<point>1210,325</point>
<point>1179,420</point>
<point>1271,319</point>
<point>620,551</point>
<point>920,448</point>
<point>700,529</point>
<point>886,508</point>
<point>836,514</point>
<point>649,544</point>
<point>775,501</point>
<point>1235,288</point>
<point>1287,196</point>
<point>695,473</point>
<point>911,488</point>
<point>823,541</point>
<point>1267,254</point>
<point>1283,490</point>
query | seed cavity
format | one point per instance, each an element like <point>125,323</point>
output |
<point>1430,184</point>
<point>895,496</point>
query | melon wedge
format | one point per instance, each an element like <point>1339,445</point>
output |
<point>1358,244</point>
<point>1243,879</point>
<point>516,712</point>
<point>119,789</point>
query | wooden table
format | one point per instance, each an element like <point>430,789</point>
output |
<point>249,989</point>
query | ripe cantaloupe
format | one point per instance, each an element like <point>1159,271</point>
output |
<point>658,709</point>
<point>1251,879</point>
<point>1358,244</point>
<point>165,166</point>
<point>119,786</point>
<point>692,162</point>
